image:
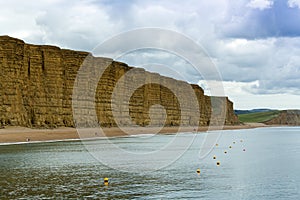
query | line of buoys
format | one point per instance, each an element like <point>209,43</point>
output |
<point>105,180</point>
<point>225,151</point>
<point>198,171</point>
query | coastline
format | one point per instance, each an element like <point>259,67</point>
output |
<point>20,135</point>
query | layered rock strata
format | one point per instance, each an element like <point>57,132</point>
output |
<point>286,117</point>
<point>38,88</point>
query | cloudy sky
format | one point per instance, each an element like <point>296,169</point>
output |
<point>254,44</point>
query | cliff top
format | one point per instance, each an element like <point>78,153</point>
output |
<point>7,38</point>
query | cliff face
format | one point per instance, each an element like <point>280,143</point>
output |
<point>37,82</point>
<point>286,117</point>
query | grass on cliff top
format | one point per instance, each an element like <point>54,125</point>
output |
<point>258,117</point>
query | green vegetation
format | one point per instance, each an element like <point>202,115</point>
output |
<point>259,116</point>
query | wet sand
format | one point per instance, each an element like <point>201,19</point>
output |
<point>22,134</point>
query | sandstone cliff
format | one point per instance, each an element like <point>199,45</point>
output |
<point>37,84</point>
<point>286,117</point>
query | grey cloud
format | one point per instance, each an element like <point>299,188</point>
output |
<point>280,20</point>
<point>82,25</point>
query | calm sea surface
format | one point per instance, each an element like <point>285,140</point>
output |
<point>264,165</point>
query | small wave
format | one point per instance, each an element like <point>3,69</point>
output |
<point>36,142</point>
<point>142,135</point>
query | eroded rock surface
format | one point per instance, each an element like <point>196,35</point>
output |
<point>37,84</point>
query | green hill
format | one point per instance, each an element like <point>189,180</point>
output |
<point>259,116</point>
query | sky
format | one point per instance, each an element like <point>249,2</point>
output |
<point>254,44</point>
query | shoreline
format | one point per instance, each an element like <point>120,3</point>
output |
<point>20,135</point>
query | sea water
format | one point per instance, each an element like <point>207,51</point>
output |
<point>262,163</point>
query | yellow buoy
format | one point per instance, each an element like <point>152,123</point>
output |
<point>106,181</point>
<point>217,144</point>
<point>225,151</point>
<point>218,163</point>
<point>241,140</point>
<point>230,147</point>
<point>214,157</point>
<point>233,142</point>
<point>198,171</point>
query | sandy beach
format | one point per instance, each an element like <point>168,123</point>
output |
<point>23,134</point>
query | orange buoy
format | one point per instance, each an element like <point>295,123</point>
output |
<point>225,152</point>
<point>218,163</point>
<point>198,171</point>
<point>214,157</point>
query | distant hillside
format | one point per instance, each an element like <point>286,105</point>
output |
<point>273,117</point>
<point>239,112</point>
<point>286,117</point>
<point>259,117</point>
